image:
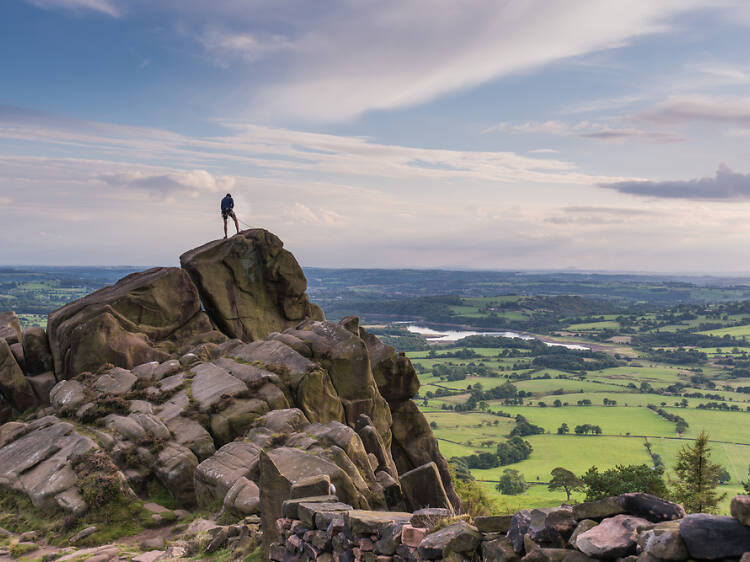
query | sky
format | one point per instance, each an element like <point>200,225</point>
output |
<point>609,135</point>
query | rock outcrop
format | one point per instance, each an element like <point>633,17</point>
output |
<point>250,285</point>
<point>292,405</point>
<point>146,316</point>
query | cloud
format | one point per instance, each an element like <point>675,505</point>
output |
<point>726,185</point>
<point>544,151</point>
<point>190,181</point>
<point>246,46</point>
<point>584,129</point>
<point>682,110</point>
<point>101,6</point>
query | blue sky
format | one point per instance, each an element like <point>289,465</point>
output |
<point>595,134</point>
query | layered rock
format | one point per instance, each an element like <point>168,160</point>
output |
<point>250,285</point>
<point>146,316</point>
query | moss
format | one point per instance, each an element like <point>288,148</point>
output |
<point>159,494</point>
<point>19,549</point>
<point>18,515</point>
<point>447,521</point>
<point>258,555</point>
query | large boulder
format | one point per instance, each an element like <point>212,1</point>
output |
<point>14,387</point>
<point>423,487</point>
<point>713,537</point>
<point>615,537</point>
<point>414,445</point>
<point>394,374</point>
<point>146,316</point>
<point>344,355</point>
<point>216,475</point>
<point>10,328</point>
<point>36,352</point>
<point>250,285</point>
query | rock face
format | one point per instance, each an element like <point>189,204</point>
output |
<point>142,379</point>
<point>713,537</point>
<point>145,316</point>
<point>250,285</point>
<point>615,537</point>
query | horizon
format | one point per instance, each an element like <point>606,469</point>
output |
<point>610,136</point>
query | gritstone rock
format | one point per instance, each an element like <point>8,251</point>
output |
<point>144,317</point>
<point>250,285</point>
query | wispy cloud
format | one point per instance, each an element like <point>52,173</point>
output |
<point>681,110</point>
<point>107,7</point>
<point>192,181</point>
<point>726,185</point>
<point>585,129</point>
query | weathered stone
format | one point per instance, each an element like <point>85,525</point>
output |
<point>290,507</point>
<point>460,537</point>
<point>210,383</point>
<point>423,487</point>
<point>583,526</point>
<point>663,541</point>
<point>374,444</point>
<point>243,497</point>
<point>413,536</point>
<point>428,517</point>
<point>492,523</point>
<point>37,355</point>
<point>500,550</point>
<point>42,385</point>
<point>390,539</point>
<point>394,374</point>
<point>14,387</point>
<point>67,395</point>
<point>284,421</point>
<point>364,522</point>
<point>740,509</point>
<point>82,534</point>
<point>551,526</point>
<point>318,399</point>
<point>599,509</point>
<point>519,526</point>
<point>71,501</point>
<point>10,328</point>
<point>546,555</point>
<point>144,317</point>
<point>115,381</point>
<point>236,418</point>
<point>217,474</point>
<point>414,445</point>
<point>394,497</point>
<point>319,485</point>
<point>145,371</point>
<point>175,466</point>
<point>306,511</point>
<point>650,507</point>
<point>614,537</point>
<point>280,468</point>
<point>275,356</point>
<point>712,537</point>
<point>126,426</point>
<point>250,285</point>
<point>192,435</point>
<point>166,369</point>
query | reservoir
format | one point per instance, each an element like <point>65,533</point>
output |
<point>446,336</point>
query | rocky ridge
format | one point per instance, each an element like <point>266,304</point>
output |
<point>140,374</point>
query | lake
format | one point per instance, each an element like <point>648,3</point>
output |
<point>438,336</point>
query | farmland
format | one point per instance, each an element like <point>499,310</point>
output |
<point>621,401</point>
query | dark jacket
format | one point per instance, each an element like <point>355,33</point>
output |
<point>227,204</point>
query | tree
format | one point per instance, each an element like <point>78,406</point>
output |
<point>565,479</point>
<point>623,479</point>
<point>563,429</point>
<point>724,476</point>
<point>746,484</point>
<point>696,477</point>
<point>511,482</point>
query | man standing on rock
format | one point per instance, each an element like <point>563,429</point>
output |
<point>227,210</point>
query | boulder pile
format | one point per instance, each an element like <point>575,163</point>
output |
<point>631,527</point>
<point>150,375</point>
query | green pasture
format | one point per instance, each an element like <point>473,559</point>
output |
<point>734,331</point>
<point>721,426</point>
<point>543,387</point>
<point>612,420</point>
<point>594,326</point>
<point>645,372</point>
<point>573,452</point>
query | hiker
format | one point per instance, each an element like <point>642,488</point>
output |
<point>227,210</point>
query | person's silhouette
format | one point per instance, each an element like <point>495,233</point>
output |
<point>227,210</point>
